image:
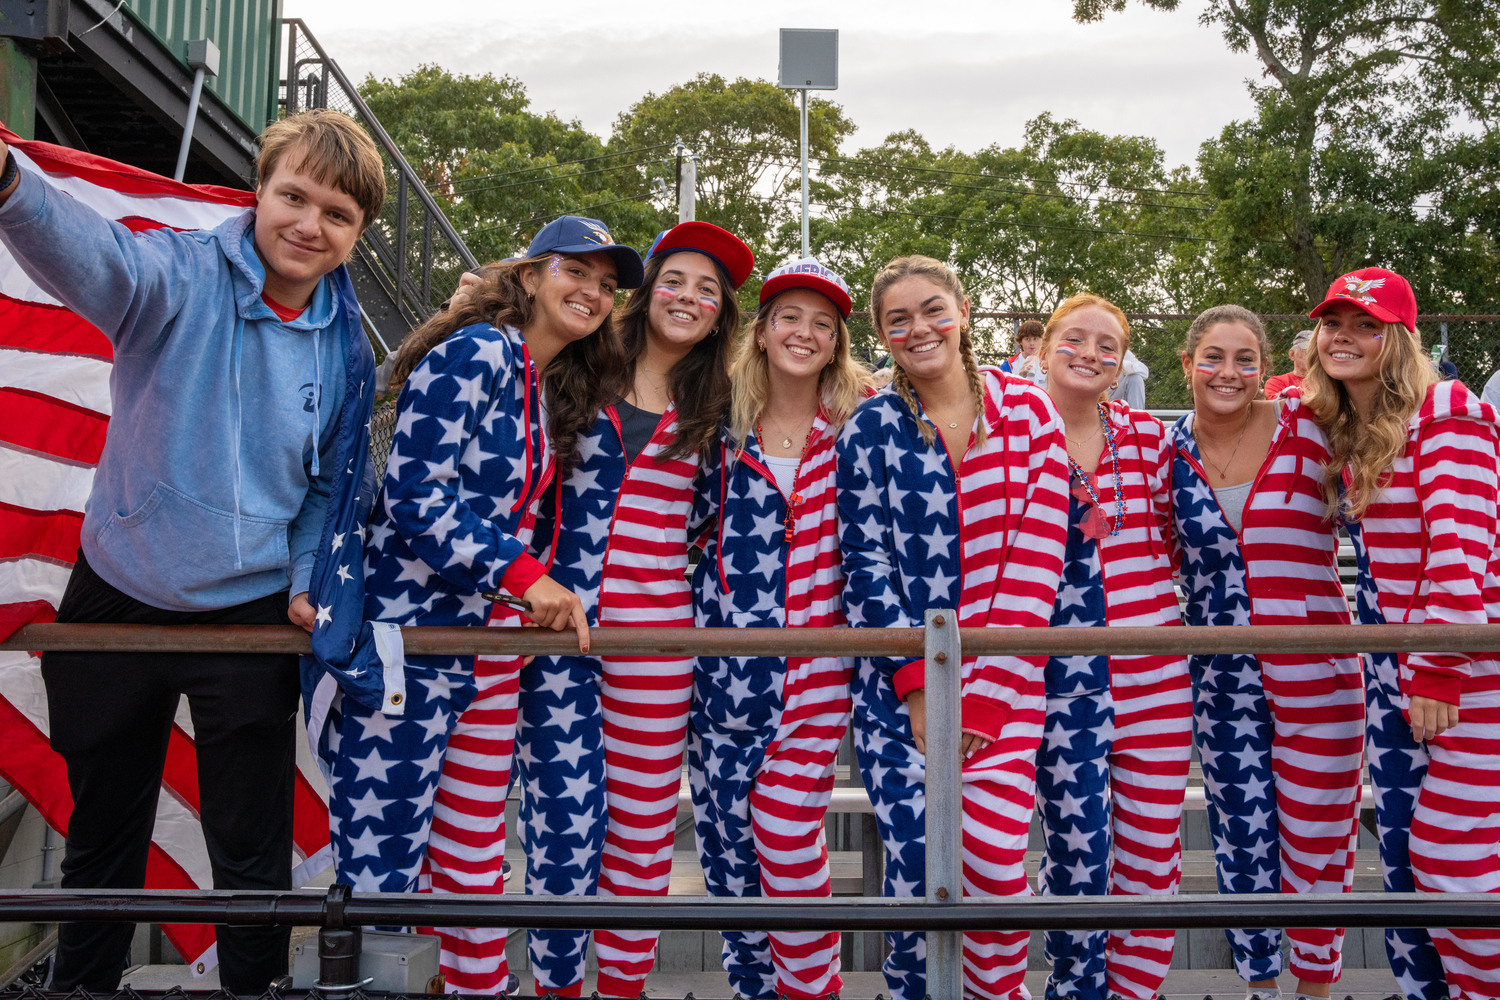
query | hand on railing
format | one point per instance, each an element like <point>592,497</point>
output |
<point>556,607</point>
<point>1430,718</point>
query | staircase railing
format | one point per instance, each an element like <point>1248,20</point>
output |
<point>411,256</point>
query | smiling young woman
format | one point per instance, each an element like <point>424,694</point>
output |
<point>452,522</point>
<point>1256,549</point>
<point>951,494</point>
<point>600,744</point>
<point>1412,476</point>
<point>764,733</point>
<point>1112,772</point>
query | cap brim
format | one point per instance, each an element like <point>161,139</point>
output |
<point>726,249</point>
<point>1373,308</point>
<point>628,267</point>
<point>786,282</point>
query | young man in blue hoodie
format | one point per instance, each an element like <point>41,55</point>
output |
<point>239,392</point>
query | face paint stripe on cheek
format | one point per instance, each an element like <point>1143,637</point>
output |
<point>1109,360</point>
<point>1249,371</point>
<point>946,324</point>
<point>665,291</point>
<point>1066,350</point>
<point>897,336</point>
<point>710,304</point>
<point>1207,368</point>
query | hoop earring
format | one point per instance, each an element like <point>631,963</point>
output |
<point>762,345</point>
<point>1114,385</point>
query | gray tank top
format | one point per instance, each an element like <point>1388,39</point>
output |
<point>1232,500</point>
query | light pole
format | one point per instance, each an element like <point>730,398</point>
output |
<point>203,59</point>
<point>809,61</point>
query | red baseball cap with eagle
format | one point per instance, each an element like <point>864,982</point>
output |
<point>1383,294</point>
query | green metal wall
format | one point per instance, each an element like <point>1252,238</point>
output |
<point>248,34</point>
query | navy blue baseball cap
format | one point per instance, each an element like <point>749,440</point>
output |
<point>575,234</point>
<point>726,249</point>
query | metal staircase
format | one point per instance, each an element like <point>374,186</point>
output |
<point>410,258</point>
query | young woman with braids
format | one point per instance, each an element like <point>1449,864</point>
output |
<point>1412,475</point>
<point>952,493</point>
<point>451,523</point>
<point>601,738</point>
<point>1112,769</point>
<point>1281,734</point>
<point>764,732</point>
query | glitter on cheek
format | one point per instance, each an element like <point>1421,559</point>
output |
<point>554,266</point>
<point>712,305</point>
<point>897,336</point>
<point>1207,369</point>
<point>1109,360</point>
<point>665,291</point>
<point>1066,350</point>
<point>1377,336</point>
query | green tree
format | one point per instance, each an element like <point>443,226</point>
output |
<point>1353,133</point>
<point>747,134</point>
<point>501,171</point>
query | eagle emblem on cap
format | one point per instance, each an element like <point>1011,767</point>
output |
<point>600,235</point>
<point>1359,289</point>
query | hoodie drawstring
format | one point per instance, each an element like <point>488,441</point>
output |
<point>526,409</point>
<point>317,398</point>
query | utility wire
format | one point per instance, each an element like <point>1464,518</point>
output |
<point>565,163</point>
<point>537,218</point>
<point>557,177</point>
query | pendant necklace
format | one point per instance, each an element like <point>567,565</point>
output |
<point>1224,469</point>
<point>795,500</point>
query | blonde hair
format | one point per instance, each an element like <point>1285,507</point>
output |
<point>940,274</point>
<point>332,149</point>
<point>1084,300</point>
<point>1367,446</point>
<point>842,383</point>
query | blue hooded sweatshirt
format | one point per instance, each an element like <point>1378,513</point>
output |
<point>230,428</point>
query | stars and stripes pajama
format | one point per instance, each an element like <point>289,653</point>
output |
<point>988,543</point>
<point>1112,768</point>
<point>600,740</point>
<point>450,523</point>
<point>1426,553</point>
<point>764,732</point>
<point>1280,737</point>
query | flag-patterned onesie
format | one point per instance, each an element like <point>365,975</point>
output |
<point>609,729</point>
<point>764,733</point>
<point>1281,737</point>
<point>1427,553</point>
<point>987,541</point>
<point>1113,765</point>
<point>464,468</point>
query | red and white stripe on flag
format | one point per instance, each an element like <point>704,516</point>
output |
<point>54,407</point>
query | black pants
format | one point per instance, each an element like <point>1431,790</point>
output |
<point>111,715</point>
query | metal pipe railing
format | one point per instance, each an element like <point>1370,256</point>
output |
<point>895,642</point>
<point>945,915</point>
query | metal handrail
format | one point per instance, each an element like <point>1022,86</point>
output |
<point>892,642</point>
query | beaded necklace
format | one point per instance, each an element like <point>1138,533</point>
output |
<point>1096,523</point>
<point>795,500</point>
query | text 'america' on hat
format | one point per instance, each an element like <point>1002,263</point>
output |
<point>727,249</point>
<point>808,273</point>
<point>576,235</point>
<point>1383,294</point>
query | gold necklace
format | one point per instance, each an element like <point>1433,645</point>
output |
<point>1224,469</point>
<point>1080,444</point>
<point>786,439</point>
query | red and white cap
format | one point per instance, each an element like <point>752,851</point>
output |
<point>808,273</point>
<point>1383,294</point>
<point>737,260</point>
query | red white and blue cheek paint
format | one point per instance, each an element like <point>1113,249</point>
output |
<point>898,335</point>
<point>665,292</point>
<point>1109,360</point>
<point>711,304</point>
<point>946,325</point>
<point>1066,350</point>
<point>1207,368</point>
<point>1249,371</point>
<point>554,266</point>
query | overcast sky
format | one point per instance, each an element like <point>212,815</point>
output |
<point>965,73</point>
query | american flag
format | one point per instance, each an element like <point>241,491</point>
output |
<point>54,408</point>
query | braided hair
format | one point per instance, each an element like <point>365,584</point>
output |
<point>942,275</point>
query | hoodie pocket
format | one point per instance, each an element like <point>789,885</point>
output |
<point>188,546</point>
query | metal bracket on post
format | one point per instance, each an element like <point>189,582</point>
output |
<point>203,60</point>
<point>944,799</point>
<point>338,949</point>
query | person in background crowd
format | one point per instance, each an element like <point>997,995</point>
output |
<point>601,738</point>
<point>1280,733</point>
<point>1130,387</point>
<point>1447,371</point>
<point>944,478</point>
<point>764,732</point>
<point>218,478</point>
<point>1112,769</point>
<point>1029,337</point>
<point>468,461</point>
<point>1491,392</point>
<point>1412,474</point>
<point>1277,384</point>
